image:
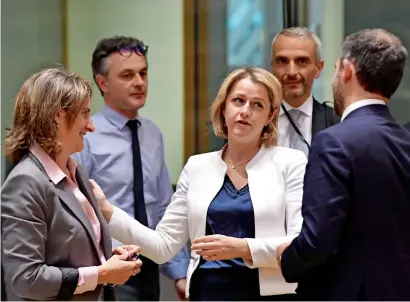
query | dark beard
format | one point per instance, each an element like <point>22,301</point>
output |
<point>338,99</point>
<point>338,106</point>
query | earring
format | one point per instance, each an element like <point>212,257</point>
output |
<point>265,134</point>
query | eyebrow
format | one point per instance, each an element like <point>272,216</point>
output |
<point>132,70</point>
<point>238,94</point>
<point>296,57</point>
<point>243,96</point>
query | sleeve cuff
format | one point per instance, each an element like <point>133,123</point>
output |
<point>70,277</point>
<point>263,252</point>
<point>88,279</point>
<point>252,248</point>
<point>117,217</point>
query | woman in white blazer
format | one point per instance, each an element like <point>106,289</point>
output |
<point>236,205</point>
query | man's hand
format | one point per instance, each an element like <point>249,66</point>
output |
<point>220,247</point>
<point>180,286</point>
<point>279,251</point>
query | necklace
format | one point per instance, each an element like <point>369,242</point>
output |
<point>233,166</point>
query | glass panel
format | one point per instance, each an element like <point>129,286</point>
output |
<point>245,29</point>
<point>240,34</point>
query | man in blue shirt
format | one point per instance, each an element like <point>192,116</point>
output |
<point>120,71</point>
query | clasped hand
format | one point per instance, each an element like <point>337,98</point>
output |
<point>220,247</point>
<point>121,266</point>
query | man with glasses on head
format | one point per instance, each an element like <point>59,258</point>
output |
<point>123,140</point>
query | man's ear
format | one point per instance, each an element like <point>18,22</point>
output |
<point>101,83</point>
<point>348,70</point>
<point>319,68</point>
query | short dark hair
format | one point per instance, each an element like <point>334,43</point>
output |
<point>379,58</point>
<point>107,46</point>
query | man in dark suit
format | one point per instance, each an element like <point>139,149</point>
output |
<point>296,62</point>
<point>355,239</point>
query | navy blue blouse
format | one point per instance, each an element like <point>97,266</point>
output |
<point>230,214</point>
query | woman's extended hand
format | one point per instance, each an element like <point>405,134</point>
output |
<point>105,206</point>
<point>99,194</point>
<point>126,249</point>
<point>220,247</point>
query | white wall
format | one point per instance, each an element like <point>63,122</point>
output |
<point>159,23</point>
<point>31,41</point>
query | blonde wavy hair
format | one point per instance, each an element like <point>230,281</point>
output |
<point>269,134</point>
<point>40,98</point>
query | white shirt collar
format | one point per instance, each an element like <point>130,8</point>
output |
<point>359,104</point>
<point>306,107</point>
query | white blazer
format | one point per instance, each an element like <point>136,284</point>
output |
<point>275,180</point>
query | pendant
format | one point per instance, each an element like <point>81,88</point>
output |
<point>233,167</point>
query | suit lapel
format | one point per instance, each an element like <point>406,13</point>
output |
<point>263,175</point>
<point>69,199</point>
<point>202,191</point>
<point>318,117</point>
<point>72,203</point>
<point>88,193</point>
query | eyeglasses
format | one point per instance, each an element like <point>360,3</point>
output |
<point>140,50</point>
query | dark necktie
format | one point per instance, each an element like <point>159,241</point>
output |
<point>139,201</point>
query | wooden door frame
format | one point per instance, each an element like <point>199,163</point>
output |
<point>196,74</point>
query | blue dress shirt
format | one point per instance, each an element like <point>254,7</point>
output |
<point>107,157</point>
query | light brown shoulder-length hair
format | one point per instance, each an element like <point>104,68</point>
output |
<point>41,96</point>
<point>269,134</point>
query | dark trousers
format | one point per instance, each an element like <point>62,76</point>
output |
<point>143,286</point>
<point>230,284</point>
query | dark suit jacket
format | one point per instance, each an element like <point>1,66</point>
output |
<point>322,117</point>
<point>47,236</point>
<point>355,239</point>
<point>407,126</point>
